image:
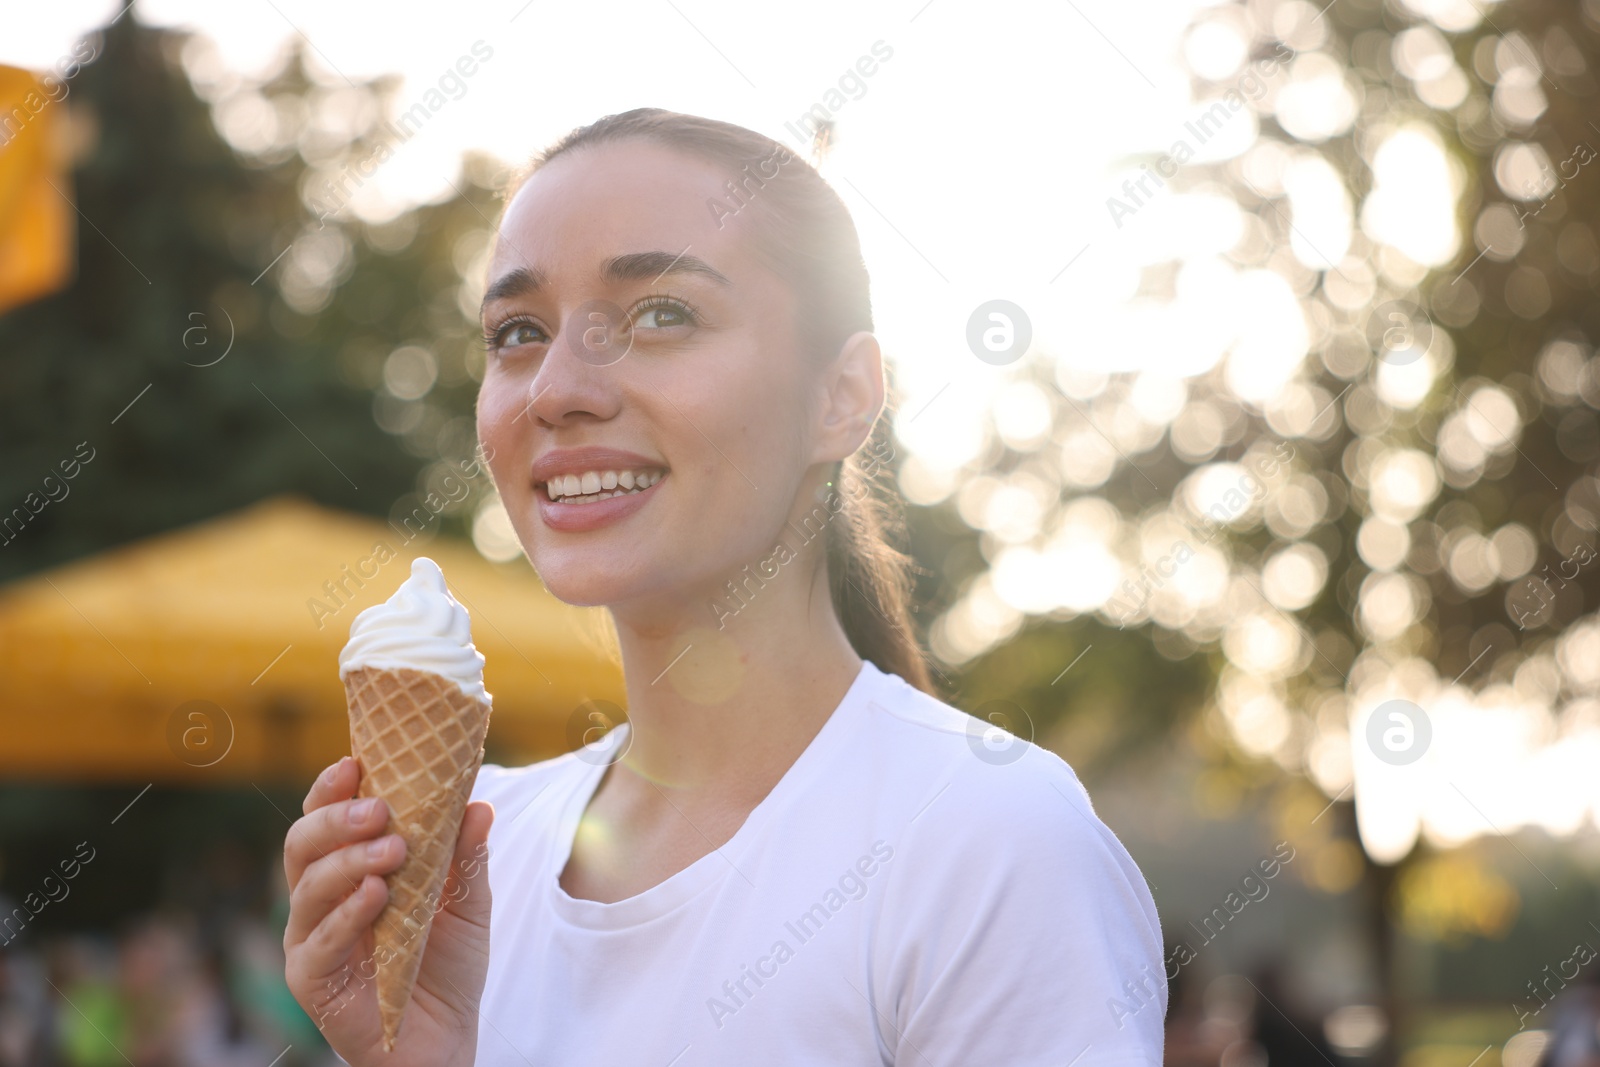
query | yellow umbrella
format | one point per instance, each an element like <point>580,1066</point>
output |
<point>210,654</point>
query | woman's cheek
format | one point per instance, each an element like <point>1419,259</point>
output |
<point>496,415</point>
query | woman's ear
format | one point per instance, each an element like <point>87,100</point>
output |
<point>853,398</point>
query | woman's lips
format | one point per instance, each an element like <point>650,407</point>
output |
<point>576,518</point>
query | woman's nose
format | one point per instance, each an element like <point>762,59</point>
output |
<point>579,374</point>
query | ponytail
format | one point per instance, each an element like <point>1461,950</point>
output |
<point>870,579</point>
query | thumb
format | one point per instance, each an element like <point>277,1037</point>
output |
<point>466,891</point>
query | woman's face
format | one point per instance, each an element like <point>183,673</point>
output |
<point>705,401</point>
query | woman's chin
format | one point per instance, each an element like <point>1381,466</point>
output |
<point>579,594</point>
<point>588,585</point>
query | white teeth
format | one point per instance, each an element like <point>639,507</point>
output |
<point>599,485</point>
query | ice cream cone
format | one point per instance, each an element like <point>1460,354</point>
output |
<point>418,715</point>
<point>419,740</point>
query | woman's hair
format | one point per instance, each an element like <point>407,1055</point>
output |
<point>804,234</point>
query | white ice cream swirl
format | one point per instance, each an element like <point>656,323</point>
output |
<point>421,627</point>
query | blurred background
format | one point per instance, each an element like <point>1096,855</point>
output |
<point>1248,421</point>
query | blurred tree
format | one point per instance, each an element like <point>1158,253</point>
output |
<point>1385,486</point>
<point>199,356</point>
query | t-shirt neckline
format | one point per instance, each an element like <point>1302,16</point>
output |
<point>714,866</point>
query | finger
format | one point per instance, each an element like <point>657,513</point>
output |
<point>329,946</point>
<point>329,880</point>
<point>331,827</point>
<point>466,891</point>
<point>338,781</point>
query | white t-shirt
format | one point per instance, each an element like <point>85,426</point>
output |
<point>909,893</point>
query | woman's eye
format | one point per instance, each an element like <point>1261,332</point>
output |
<point>517,333</point>
<point>661,316</point>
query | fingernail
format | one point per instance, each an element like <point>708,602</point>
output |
<point>376,850</point>
<point>362,810</point>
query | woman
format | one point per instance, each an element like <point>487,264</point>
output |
<point>792,852</point>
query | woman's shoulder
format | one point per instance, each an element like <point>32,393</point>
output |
<point>991,753</point>
<point>980,780</point>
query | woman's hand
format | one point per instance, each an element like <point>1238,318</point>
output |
<point>335,858</point>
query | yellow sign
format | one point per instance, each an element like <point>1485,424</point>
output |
<point>37,231</point>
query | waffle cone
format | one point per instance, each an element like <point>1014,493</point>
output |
<point>419,740</point>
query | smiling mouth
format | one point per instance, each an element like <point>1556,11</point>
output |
<point>592,486</point>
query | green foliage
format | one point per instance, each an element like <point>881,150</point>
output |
<point>179,236</point>
<point>1510,414</point>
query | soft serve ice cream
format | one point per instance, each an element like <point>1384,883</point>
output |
<point>421,628</point>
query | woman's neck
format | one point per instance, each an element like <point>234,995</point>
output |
<point>733,706</point>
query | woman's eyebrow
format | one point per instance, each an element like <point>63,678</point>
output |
<point>524,281</point>
<point>652,265</point>
<point>518,282</point>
